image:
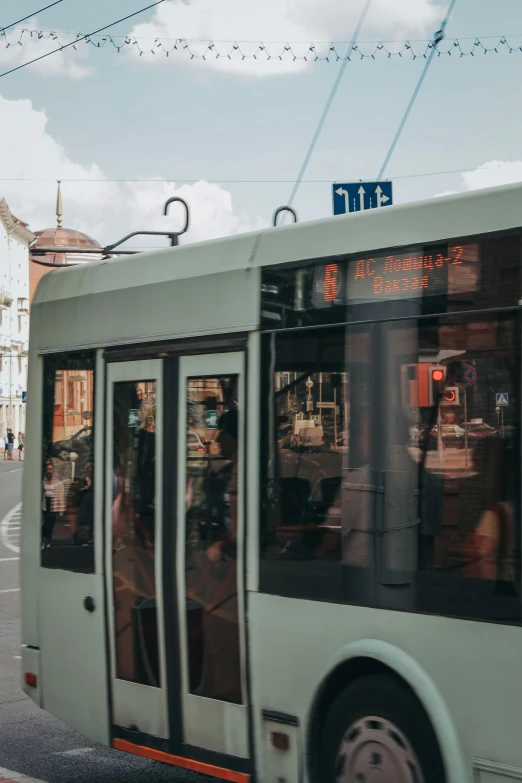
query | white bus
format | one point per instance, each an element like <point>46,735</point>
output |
<point>197,592</point>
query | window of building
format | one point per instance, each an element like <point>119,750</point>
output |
<point>68,465</point>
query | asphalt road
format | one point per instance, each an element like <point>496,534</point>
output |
<point>32,742</point>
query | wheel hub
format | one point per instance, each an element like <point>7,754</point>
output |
<point>374,750</point>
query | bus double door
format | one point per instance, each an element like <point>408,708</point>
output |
<point>174,552</point>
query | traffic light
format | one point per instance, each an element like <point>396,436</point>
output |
<point>436,378</point>
<point>451,396</point>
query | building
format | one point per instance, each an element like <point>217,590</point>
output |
<point>15,239</point>
<point>62,246</point>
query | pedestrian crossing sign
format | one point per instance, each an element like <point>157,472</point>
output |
<point>502,399</point>
<point>134,418</point>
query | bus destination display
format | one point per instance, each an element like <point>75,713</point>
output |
<point>400,276</point>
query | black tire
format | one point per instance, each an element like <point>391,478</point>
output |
<point>378,696</point>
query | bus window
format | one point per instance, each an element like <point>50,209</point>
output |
<point>133,532</point>
<point>317,516</point>
<point>67,530</point>
<point>390,470</point>
<point>463,449</point>
<point>211,505</point>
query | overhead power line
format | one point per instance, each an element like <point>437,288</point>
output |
<point>328,104</point>
<point>40,11</point>
<point>161,181</point>
<point>438,37</point>
<point>84,37</point>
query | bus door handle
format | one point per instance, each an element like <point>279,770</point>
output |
<point>89,603</point>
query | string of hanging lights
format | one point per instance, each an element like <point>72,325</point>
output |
<point>266,51</point>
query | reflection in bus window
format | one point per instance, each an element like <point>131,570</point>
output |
<point>465,449</point>
<point>133,532</point>
<point>211,537</point>
<point>67,489</point>
<point>390,471</point>
<point>317,459</point>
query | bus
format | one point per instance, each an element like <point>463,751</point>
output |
<point>196,591</point>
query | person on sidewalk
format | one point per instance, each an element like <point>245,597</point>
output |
<point>10,444</point>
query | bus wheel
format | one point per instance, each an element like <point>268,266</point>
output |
<point>376,730</point>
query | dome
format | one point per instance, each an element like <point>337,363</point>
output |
<point>62,246</point>
<point>59,246</point>
<point>66,238</point>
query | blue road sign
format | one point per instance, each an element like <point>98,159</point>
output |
<point>467,376</point>
<point>502,400</point>
<point>359,196</point>
<point>133,418</point>
<point>211,420</point>
<point>24,396</point>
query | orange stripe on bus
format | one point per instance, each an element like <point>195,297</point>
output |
<point>180,761</point>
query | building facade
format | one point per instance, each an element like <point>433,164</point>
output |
<point>15,239</point>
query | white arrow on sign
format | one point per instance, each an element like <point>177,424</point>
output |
<point>381,198</point>
<point>343,192</point>
<point>361,193</point>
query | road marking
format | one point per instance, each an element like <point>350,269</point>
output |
<point>74,752</point>
<point>11,590</point>
<point>16,470</point>
<point>9,534</point>
<point>8,776</point>
<point>8,559</point>
<point>18,657</point>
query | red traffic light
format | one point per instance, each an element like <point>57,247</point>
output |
<point>450,396</point>
<point>436,377</point>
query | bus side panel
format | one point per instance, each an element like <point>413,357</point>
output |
<point>61,639</point>
<point>72,657</point>
<point>295,643</point>
<point>31,509</point>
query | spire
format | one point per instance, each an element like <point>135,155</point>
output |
<point>59,205</point>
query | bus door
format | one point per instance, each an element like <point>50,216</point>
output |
<point>133,513</point>
<point>210,560</point>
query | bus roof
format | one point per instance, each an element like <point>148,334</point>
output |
<point>213,287</point>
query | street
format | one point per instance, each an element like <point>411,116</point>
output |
<point>33,743</point>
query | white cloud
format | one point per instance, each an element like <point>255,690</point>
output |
<point>105,210</point>
<point>24,47</point>
<point>247,21</point>
<point>492,173</point>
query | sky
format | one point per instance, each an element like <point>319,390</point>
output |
<point>230,135</point>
